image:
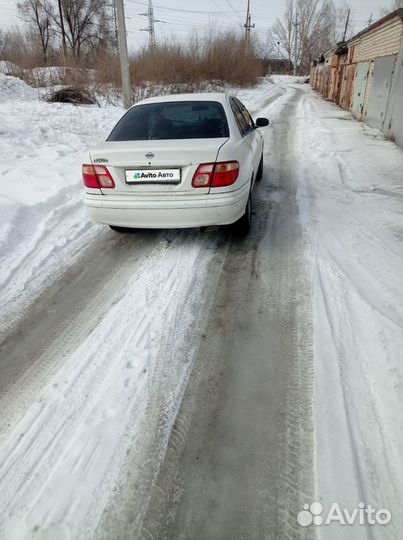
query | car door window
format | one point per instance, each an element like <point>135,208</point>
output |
<point>239,117</point>
<point>247,117</point>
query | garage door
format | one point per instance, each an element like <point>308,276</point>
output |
<point>378,99</point>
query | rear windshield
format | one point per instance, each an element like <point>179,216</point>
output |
<point>172,120</point>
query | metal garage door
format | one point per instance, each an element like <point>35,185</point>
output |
<point>360,86</point>
<point>378,99</point>
<point>393,123</point>
<point>347,86</point>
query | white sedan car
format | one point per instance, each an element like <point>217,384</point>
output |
<point>178,161</point>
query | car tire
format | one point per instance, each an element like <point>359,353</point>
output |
<point>244,224</point>
<point>259,174</point>
<point>115,228</point>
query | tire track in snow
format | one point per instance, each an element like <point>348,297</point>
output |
<point>239,461</point>
<point>358,315</point>
<point>64,314</point>
<point>48,503</point>
<point>55,243</point>
<point>44,224</point>
<point>52,470</point>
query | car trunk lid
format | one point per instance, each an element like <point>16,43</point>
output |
<point>155,166</point>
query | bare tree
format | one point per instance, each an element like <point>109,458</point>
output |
<point>38,15</point>
<point>340,24</point>
<point>4,39</point>
<point>312,23</point>
<point>17,50</point>
<point>86,25</point>
<point>317,20</point>
<point>272,47</point>
<point>283,29</point>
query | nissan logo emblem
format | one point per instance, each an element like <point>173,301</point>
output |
<point>149,155</point>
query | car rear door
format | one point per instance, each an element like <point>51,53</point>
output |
<point>251,134</point>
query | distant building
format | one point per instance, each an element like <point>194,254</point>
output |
<point>277,66</point>
<point>364,75</point>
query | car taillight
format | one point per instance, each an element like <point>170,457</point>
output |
<point>97,176</point>
<point>202,177</point>
<point>225,174</point>
<point>216,174</point>
<point>89,177</point>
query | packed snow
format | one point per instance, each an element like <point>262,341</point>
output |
<point>12,89</point>
<point>351,198</point>
<point>80,427</point>
<point>84,415</point>
<point>43,220</point>
<point>77,430</point>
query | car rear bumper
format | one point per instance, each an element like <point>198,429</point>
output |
<point>166,212</point>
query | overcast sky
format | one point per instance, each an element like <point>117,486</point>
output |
<point>183,16</point>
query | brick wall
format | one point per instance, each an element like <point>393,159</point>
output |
<point>383,40</point>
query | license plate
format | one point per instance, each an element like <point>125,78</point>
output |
<point>153,176</point>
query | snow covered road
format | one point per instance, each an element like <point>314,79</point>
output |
<point>166,384</point>
<point>351,199</point>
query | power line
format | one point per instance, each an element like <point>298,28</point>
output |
<point>231,6</point>
<point>183,10</point>
<point>231,14</point>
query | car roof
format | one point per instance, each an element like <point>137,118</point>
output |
<point>221,97</point>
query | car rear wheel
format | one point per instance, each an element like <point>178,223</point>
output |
<point>259,173</point>
<point>244,224</point>
<point>115,228</point>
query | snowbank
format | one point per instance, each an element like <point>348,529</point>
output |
<point>287,79</point>
<point>12,88</point>
<point>43,221</point>
<point>9,68</point>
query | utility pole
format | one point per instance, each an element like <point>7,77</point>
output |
<point>115,23</point>
<point>346,25</point>
<point>295,24</point>
<point>248,24</point>
<point>124,59</point>
<point>63,31</point>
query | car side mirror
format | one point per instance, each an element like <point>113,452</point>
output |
<point>262,122</point>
